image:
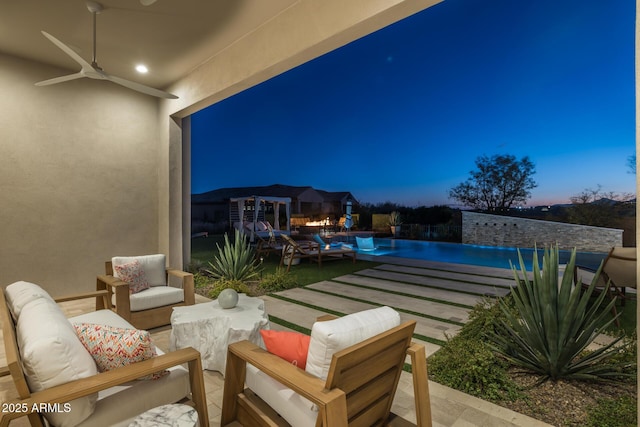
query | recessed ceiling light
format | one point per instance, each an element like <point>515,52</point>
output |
<point>142,69</point>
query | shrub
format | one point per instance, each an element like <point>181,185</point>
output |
<point>201,280</point>
<point>195,266</point>
<point>222,284</point>
<point>483,318</point>
<point>280,280</point>
<point>234,261</point>
<point>620,412</point>
<point>469,365</point>
<point>553,322</point>
<point>467,362</point>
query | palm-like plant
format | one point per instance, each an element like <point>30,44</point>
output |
<point>553,322</point>
<point>235,261</point>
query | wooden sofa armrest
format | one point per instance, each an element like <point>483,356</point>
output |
<point>101,296</point>
<point>332,404</point>
<point>85,295</point>
<point>178,273</point>
<point>86,386</point>
<point>418,356</point>
<point>113,285</point>
<point>112,281</point>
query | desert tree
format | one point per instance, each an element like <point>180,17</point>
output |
<point>599,208</point>
<point>498,183</point>
<point>631,163</point>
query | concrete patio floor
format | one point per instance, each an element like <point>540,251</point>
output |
<point>420,290</point>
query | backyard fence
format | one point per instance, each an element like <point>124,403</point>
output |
<point>439,232</point>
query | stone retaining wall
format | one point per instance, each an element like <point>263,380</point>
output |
<point>498,230</point>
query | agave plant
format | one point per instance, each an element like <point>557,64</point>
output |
<point>553,322</point>
<point>395,219</point>
<point>235,262</point>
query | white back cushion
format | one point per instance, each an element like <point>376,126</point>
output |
<point>335,335</point>
<point>21,293</point>
<point>154,267</point>
<point>52,355</point>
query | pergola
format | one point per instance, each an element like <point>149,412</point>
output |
<point>237,213</point>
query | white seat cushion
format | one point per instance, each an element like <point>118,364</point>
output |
<point>326,338</point>
<point>156,296</point>
<point>297,410</point>
<point>154,266</point>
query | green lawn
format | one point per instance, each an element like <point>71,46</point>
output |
<point>204,249</point>
<point>627,316</point>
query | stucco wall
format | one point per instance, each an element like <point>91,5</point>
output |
<point>78,176</point>
<point>497,230</point>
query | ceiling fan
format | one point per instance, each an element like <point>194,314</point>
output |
<point>92,70</point>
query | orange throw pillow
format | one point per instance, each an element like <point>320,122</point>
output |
<point>291,346</point>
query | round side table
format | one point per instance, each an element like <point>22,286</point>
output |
<point>210,328</point>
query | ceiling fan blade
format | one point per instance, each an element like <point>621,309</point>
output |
<point>147,2</point>
<point>66,49</point>
<point>61,79</point>
<point>141,88</point>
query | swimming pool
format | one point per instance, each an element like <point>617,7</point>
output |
<point>489,256</point>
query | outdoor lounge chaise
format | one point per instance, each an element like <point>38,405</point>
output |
<point>365,243</point>
<point>618,273</point>
<point>352,371</point>
<point>316,253</point>
<point>151,307</point>
<point>57,376</point>
<point>266,246</point>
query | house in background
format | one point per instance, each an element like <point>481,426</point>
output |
<point>210,210</point>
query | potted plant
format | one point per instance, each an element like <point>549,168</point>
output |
<point>394,222</point>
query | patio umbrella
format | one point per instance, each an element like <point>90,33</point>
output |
<point>348,222</point>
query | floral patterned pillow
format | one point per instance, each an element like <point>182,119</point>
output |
<point>113,347</point>
<point>133,274</point>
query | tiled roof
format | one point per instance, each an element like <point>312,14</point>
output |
<point>275,190</point>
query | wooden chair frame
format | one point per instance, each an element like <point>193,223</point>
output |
<point>27,400</point>
<point>144,319</point>
<point>267,246</point>
<point>617,273</point>
<point>356,378</point>
<point>293,250</point>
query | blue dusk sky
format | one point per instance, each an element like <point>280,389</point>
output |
<point>402,114</point>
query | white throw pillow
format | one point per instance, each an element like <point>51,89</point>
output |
<point>334,335</point>
<point>154,266</point>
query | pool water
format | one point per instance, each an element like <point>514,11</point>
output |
<point>489,256</point>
